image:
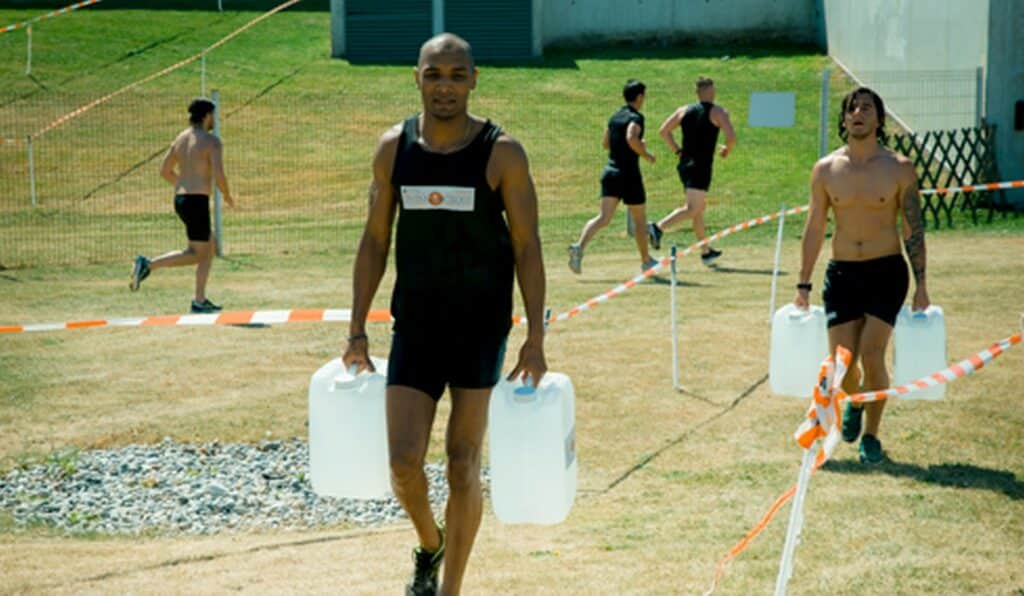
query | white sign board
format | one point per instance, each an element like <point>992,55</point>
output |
<point>773,110</point>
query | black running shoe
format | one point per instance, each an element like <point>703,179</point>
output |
<point>428,565</point>
<point>140,271</point>
<point>871,450</point>
<point>205,307</point>
<point>851,421</point>
<point>710,257</point>
<point>654,235</point>
<point>213,307</point>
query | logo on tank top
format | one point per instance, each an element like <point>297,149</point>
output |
<point>446,198</point>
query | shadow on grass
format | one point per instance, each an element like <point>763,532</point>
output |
<point>746,271</point>
<point>646,459</point>
<point>950,475</point>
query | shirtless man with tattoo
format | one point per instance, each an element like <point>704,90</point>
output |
<point>872,192</point>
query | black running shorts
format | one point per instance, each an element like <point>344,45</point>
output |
<point>694,175</point>
<point>876,287</point>
<point>194,211</point>
<point>429,364</point>
<point>628,186</point>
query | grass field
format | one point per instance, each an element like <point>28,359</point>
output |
<point>300,128</point>
<point>944,516</point>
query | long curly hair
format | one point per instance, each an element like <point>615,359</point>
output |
<point>848,104</point>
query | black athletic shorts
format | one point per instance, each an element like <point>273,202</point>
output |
<point>628,186</point>
<point>428,364</point>
<point>194,211</point>
<point>876,287</point>
<point>694,175</point>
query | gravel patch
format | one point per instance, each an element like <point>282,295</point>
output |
<point>187,488</point>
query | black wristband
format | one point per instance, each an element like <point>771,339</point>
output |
<point>357,336</point>
<point>804,287</point>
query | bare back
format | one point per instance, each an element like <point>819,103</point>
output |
<point>193,153</point>
<point>866,200</point>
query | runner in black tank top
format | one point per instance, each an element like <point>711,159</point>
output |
<point>467,222</point>
<point>621,179</point>
<point>700,123</point>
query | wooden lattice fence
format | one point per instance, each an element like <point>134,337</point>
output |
<point>948,158</point>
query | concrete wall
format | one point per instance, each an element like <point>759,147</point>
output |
<point>568,22</point>
<point>1005,85</point>
<point>920,55</point>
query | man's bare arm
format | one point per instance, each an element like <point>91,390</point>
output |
<point>167,167</point>
<point>817,221</point>
<point>372,254</point>
<point>669,126</point>
<point>217,164</point>
<point>913,223</point>
<point>520,199</point>
<point>720,118</point>
<point>636,143</point>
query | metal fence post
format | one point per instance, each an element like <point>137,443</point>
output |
<point>218,224</point>
<point>31,170</point>
<point>979,96</point>
<point>28,61</point>
<point>823,122</point>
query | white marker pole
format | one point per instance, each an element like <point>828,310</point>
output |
<point>28,62</point>
<point>775,268</point>
<point>675,328</point>
<point>220,5</point>
<point>218,222</point>
<point>31,170</point>
<point>796,521</point>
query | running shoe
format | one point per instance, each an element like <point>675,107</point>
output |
<point>205,307</point>
<point>576,258</point>
<point>871,450</point>
<point>428,564</point>
<point>140,271</point>
<point>654,235</point>
<point>851,422</point>
<point>648,265</point>
<point>710,257</point>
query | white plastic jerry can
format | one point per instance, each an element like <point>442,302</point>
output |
<point>348,436</point>
<point>799,344</point>
<point>533,450</point>
<point>920,349</point>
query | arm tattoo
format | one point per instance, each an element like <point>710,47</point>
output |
<point>914,242</point>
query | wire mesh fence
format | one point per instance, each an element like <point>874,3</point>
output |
<point>298,157</point>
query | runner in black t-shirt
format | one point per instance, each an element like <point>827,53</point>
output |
<point>621,179</point>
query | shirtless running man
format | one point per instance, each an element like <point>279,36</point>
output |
<point>199,157</point>
<point>867,187</point>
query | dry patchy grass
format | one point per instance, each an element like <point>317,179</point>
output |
<point>944,517</point>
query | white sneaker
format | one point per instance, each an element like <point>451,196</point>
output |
<point>576,258</point>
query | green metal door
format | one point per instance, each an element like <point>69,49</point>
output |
<point>386,30</point>
<point>497,29</point>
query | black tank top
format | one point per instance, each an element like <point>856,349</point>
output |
<point>700,135</point>
<point>453,251</point>
<point>620,155</point>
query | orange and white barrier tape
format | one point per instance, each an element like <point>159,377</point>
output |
<point>49,15</point>
<point>9,141</point>
<point>665,262</point>
<point>975,187</point>
<point>825,417</point>
<point>244,317</point>
<point>952,373</point>
<point>85,108</point>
